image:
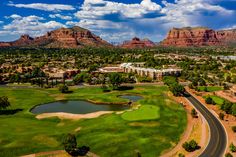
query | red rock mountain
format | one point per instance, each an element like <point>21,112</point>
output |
<point>227,36</point>
<point>61,38</point>
<point>137,43</point>
<point>198,36</point>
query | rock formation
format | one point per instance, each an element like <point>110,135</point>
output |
<point>198,36</point>
<point>227,36</point>
<point>188,36</point>
<point>137,43</point>
<point>61,38</point>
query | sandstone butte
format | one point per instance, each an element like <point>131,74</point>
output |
<point>74,37</point>
<point>199,36</point>
<point>137,43</point>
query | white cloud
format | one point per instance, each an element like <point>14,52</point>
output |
<point>1,22</point>
<point>31,25</point>
<point>89,10</point>
<point>60,16</point>
<point>43,6</point>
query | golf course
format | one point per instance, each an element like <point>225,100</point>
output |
<point>149,126</point>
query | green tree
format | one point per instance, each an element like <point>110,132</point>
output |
<point>63,88</point>
<point>228,155</point>
<point>222,116</point>
<point>232,147</point>
<point>115,80</point>
<point>70,144</point>
<point>190,146</point>
<point>194,113</point>
<point>209,100</point>
<point>4,103</point>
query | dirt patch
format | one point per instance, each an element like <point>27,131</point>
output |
<point>141,124</point>
<point>71,116</point>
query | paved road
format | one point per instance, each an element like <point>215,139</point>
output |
<point>218,137</point>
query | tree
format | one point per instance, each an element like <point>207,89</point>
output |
<point>177,89</point>
<point>181,155</point>
<point>234,128</point>
<point>115,79</point>
<point>63,88</point>
<point>70,146</point>
<point>209,100</point>
<point>232,147</point>
<point>190,146</point>
<point>194,113</point>
<point>228,155</point>
<point>222,116</point>
<point>4,103</point>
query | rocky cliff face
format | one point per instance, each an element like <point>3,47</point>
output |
<point>227,36</point>
<point>61,38</point>
<point>137,43</point>
<point>199,36</point>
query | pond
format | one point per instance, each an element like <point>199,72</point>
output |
<point>82,107</point>
<point>133,98</point>
<point>76,107</point>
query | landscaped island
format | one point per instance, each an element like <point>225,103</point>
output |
<point>156,124</point>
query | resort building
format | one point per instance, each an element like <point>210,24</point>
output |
<point>149,72</point>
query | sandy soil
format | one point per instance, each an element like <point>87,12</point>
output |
<point>228,121</point>
<point>191,132</point>
<point>71,116</point>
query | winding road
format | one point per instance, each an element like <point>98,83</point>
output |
<point>218,138</point>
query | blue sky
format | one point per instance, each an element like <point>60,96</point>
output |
<point>116,20</point>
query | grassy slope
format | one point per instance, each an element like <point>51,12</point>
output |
<point>109,135</point>
<point>210,88</point>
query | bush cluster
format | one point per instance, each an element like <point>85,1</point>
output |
<point>190,146</point>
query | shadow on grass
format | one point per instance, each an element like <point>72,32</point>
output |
<point>123,88</point>
<point>10,112</point>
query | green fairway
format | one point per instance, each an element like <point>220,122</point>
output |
<point>217,100</point>
<point>154,127</point>
<point>147,112</point>
<point>210,88</point>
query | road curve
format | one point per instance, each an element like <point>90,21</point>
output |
<point>218,138</point>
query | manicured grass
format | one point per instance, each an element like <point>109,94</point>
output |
<point>217,100</point>
<point>147,112</point>
<point>210,88</point>
<point>108,135</point>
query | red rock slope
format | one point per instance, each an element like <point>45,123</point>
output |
<point>137,43</point>
<point>188,36</point>
<point>61,38</point>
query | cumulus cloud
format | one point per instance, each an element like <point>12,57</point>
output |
<point>60,16</point>
<point>32,25</point>
<point>43,6</point>
<point>89,9</point>
<point>117,21</point>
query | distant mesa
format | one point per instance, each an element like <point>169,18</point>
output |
<point>198,36</point>
<point>138,43</point>
<point>77,37</point>
<point>74,37</point>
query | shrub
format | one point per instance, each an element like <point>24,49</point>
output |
<point>228,155</point>
<point>70,146</point>
<point>222,116</point>
<point>209,100</point>
<point>232,147</point>
<point>234,128</point>
<point>63,88</point>
<point>190,146</point>
<point>181,155</point>
<point>194,113</point>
